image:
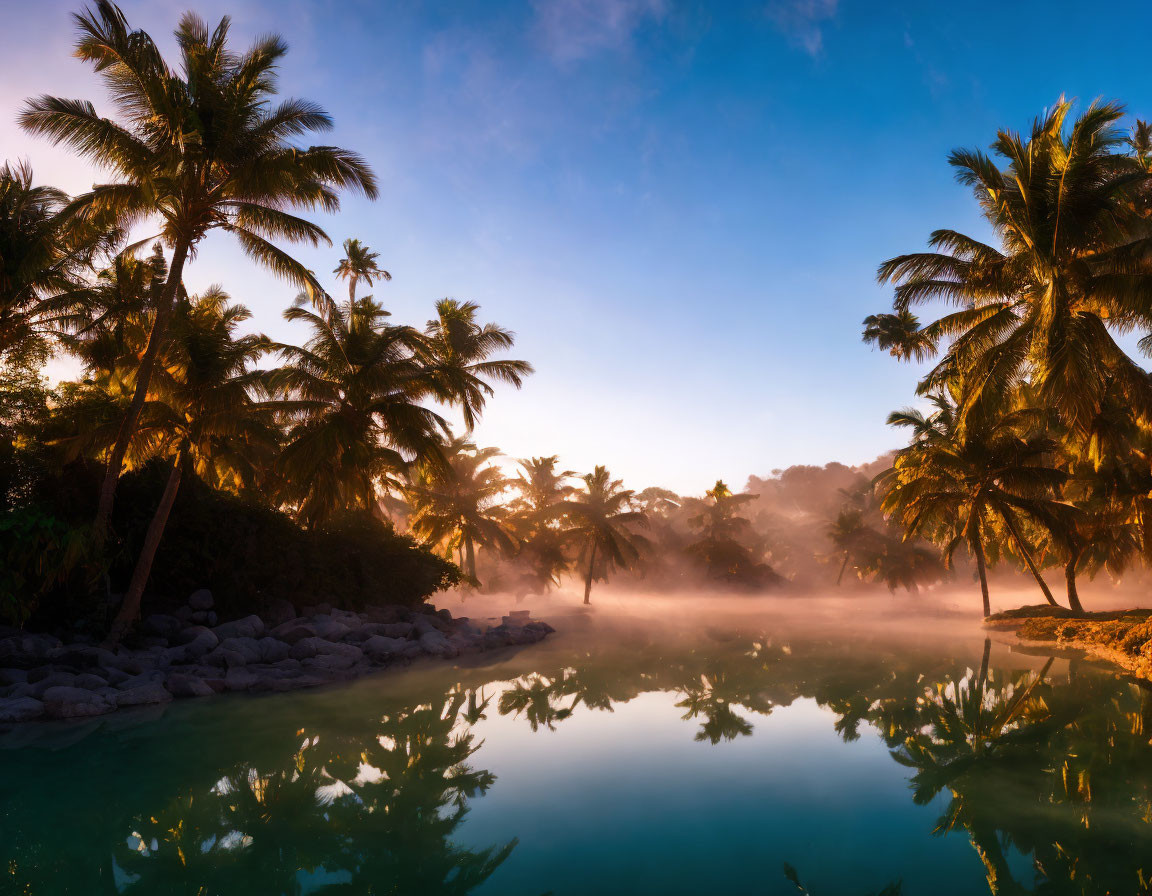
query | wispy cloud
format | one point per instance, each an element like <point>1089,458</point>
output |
<point>571,30</point>
<point>803,21</point>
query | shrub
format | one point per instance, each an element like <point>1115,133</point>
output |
<point>247,553</point>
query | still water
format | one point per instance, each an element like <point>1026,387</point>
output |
<point>736,761</point>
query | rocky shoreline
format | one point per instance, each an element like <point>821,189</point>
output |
<point>1120,637</point>
<point>187,654</point>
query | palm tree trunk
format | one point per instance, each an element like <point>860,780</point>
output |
<point>843,566</point>
<point>984,664</point>
<point>977,547</point>
<point>130,606</point>
<point>1022,547</point>
<point>351,298</point>
<point>591,568</point>
<point>1070,578</point>
<point>470,557</point>
<point>156,337</point>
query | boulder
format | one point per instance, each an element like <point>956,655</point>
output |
<point>26,651</point>
<point>316,610</point>
<point>330,662</point>
<point>278,612</point>
<point>20,709</point>
<point>73,703</point>
<point>57,679</point>
<point>182,685</point>
<point>320,647</point>
<point>83,656</point>
<point>239,679</point>
<point>34,676</point>
<point>204,642</point>
<point>288,666</point>
<point>201,600</point>
<point>143,695</point>
<point>435,643</point>
<point>249,648</point>
<point>204,617</point>
<point>163,625</point>
<point>425,624</point>
<point>380,648</point>
<point>272,650</point>
<point>13,676</point>
<point>328,628</point>
<point>89,681</point>
<point>222,657</point>
<point>113,675</point>
<point>198,633</point>
<point>138,681</point>
<point>390,629</point>
<point>248,627</point>
<point>291,632</point>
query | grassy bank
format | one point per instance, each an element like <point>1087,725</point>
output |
<point>1123,637</point>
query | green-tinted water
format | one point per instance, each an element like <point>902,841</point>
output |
<point>674,768</point>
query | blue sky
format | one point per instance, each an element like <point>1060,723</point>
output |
<point>678,207</point>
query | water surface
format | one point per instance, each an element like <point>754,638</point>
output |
<point>647,763</point>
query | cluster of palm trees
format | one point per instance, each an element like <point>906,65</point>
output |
<point>192,148</point>
<point>540,520</point>
<point>1036,443</point>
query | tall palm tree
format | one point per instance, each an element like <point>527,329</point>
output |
<point>202,414</point>
<point>458,505</point>
<point>460,350</point>
<point>201,147</point>
<point>964,487</point>
<point>1072,268</point>
<point>359,263</point>
<point>351,400</point>
<point>600,520</point>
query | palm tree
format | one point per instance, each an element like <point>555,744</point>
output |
<point>716,514</point>
<point>108,327</point>
<point>351,399</point>
<point>848,532</point>
<point>1140,142</point>
<point>958,487</point>
<point>1072,268</point>
<point>457,505</point>
<point>202,414</point>
<point>542,488</point>
<point>41,255</point>
<point>899,334</point>
<point>359,263</point>
<point>599,521</point>
<point>459,350</point>
<point>201,147</point>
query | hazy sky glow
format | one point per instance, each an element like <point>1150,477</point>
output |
<point>678,207</point>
